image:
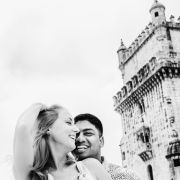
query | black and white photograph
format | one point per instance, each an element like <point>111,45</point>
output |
<point>90,90</point>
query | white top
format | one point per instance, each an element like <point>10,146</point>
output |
<point>84,173</point>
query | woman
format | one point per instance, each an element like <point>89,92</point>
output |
<point>44,137</point>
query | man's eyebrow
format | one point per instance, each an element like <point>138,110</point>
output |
<point>88,129</point>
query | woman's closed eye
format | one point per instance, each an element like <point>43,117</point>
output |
<point>69,123</point>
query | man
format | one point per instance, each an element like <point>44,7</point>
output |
<point>89,142</point>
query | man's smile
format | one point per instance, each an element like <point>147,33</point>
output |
<point>81,148</point>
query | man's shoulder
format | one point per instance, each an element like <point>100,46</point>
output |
<point>112,166</point>
<point>117,172</point>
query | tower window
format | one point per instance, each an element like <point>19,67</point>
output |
<point>176,162</point>
<point>156,14</point>
<point>141,106</point>
<point>168,100</point>
<point>123,156</point>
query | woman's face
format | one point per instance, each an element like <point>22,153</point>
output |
<point>63,130</point>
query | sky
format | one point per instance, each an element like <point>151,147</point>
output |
<point>64,52</point>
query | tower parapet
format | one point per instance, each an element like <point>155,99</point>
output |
<point>154,69</point>
<point>136,45</point>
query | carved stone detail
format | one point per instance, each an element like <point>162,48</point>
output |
<point>148,77</point>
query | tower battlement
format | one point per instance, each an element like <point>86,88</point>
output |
<point>154,66</point>
<point>142,38</point>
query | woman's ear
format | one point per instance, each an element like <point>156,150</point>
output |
<point>48,132</point>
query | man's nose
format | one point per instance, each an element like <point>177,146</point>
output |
<point>80,137</point>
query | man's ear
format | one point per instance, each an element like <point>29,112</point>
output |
<point>101,141</point>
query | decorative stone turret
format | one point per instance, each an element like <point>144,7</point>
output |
<point>157,11</point>
<point>121,52</point>
<point>172,18</point>
<point>173,155</point>
<point>122,55</point>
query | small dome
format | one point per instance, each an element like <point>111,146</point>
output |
<point>156,4</point>
<point>173,149</point>
<point>122,46</point>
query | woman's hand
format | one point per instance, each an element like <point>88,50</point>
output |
<point>30,115</point>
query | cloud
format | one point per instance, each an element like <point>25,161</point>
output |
<point>56,38</point>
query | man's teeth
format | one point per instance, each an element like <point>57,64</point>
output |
<point>81,147</point>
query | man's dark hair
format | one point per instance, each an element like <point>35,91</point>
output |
<point>92,119</point>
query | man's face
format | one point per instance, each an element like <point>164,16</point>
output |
<point>89,142</point>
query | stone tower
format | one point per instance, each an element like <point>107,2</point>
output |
<point>149,101</point>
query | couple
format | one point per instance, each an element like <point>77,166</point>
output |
<point>43,142</point>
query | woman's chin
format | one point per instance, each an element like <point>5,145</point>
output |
<point>71,147</point>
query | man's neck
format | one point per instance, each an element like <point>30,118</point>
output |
<point>98,158</point>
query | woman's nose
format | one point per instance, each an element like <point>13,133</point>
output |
<point>76,129</point>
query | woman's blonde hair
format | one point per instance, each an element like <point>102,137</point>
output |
<point>42,153</point>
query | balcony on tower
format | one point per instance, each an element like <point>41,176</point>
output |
<point>173,152</point>
<point>144,144</point>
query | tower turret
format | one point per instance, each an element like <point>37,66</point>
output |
<point>157,11</point>
<point>122,56</point>
<point>121,53</point>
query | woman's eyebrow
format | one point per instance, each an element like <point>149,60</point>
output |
<point>71,119</point>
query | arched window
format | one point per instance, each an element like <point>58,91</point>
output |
<point>141,106</point>
<point>150,172</point>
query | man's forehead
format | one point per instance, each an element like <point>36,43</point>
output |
<point>85,125</point>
